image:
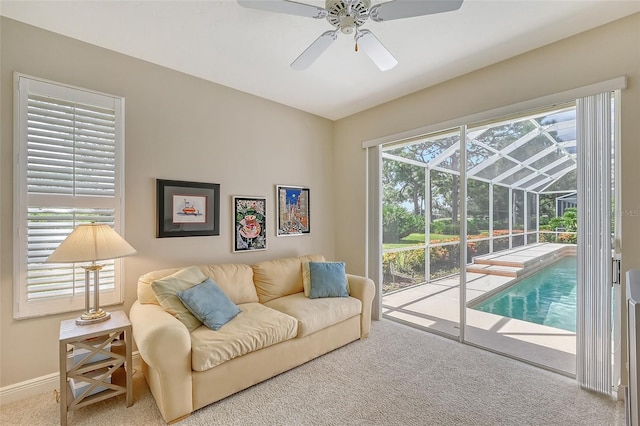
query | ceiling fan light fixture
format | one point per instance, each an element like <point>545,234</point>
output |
<point>348,25</point>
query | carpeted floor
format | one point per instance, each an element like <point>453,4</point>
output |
<point>398,376</point>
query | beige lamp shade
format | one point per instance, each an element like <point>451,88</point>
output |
<point>90,243</point>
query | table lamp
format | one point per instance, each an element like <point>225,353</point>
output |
<point>91,243</point>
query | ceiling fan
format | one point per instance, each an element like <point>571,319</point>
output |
<point>347,16</point>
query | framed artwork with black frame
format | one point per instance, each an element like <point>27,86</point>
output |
<point>249,223</point>
<point>293,210</point>
<point>187,209</point>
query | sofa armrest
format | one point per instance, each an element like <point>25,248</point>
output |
<point>364,289</point>
<point>164,344</point>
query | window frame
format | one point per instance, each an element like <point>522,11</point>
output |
<point>23,86</point>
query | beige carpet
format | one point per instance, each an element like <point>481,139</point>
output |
<point>398,376</point>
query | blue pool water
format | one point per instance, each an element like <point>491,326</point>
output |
<point>547,297</point>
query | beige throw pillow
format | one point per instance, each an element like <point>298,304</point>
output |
<point>167,288</point>
<point>306,278</point>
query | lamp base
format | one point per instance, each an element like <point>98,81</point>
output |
<point>92,317</point>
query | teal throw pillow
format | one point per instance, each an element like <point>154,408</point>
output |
<point>328,279</point>
<point>207,302</point>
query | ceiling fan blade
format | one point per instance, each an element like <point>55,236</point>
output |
<point>376,51</point>
<point>314,51</point>
<point>399,9</point>
<point>285,6</point>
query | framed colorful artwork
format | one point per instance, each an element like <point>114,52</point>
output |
<point>249,223</point>
<point>187,209</point>
<point>293,210</point>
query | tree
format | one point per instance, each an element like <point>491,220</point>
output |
<point>477,199</point>
<point>568,221</point>
<point>405,183</point>
<point>547,208</point>
<point>570,218</point>
<point>402,182</point>
<point>397,223</point>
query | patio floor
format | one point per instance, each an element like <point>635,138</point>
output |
<point>436,307</point>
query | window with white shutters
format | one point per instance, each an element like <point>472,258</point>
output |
<point>69,145</point>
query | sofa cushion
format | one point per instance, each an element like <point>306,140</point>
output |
<point>316,314</point>
<point>145,292</point>
<point>207,302</point>
<point>166,290</point>
<point>236,280</point>
<point>256,327</point>
<point>281,277</point>
<point>327,279</point>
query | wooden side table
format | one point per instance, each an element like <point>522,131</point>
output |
<point>99,365</point>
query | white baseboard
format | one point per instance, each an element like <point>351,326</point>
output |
<point>39,385</point>
<point>28,388</point>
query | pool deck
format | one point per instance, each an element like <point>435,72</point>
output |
<point>436,307</point>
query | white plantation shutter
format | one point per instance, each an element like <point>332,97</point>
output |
<point>46,229</point>
<point>71,148</point>
<point>69,145</point>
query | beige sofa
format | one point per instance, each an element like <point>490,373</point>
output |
<point>279,328</point>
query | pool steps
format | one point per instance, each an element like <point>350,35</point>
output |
<point>520,263</point>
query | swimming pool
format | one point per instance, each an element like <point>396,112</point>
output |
<point>547,297</point>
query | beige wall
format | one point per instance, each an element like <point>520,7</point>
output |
<point>177,127</point>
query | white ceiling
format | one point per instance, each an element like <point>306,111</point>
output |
<point>250,50</point>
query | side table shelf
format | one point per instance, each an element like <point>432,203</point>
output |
<point>97,359</point>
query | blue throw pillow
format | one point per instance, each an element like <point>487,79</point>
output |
<point>207,302</point>
<point>328,279</point>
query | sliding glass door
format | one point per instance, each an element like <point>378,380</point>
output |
<point>479,228</point>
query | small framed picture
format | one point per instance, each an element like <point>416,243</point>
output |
<point>187,209</point>
<point>293,210</point>
<point>249,223</point>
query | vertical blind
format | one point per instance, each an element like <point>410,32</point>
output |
<point>71,149</point>
<point>593,329</point>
